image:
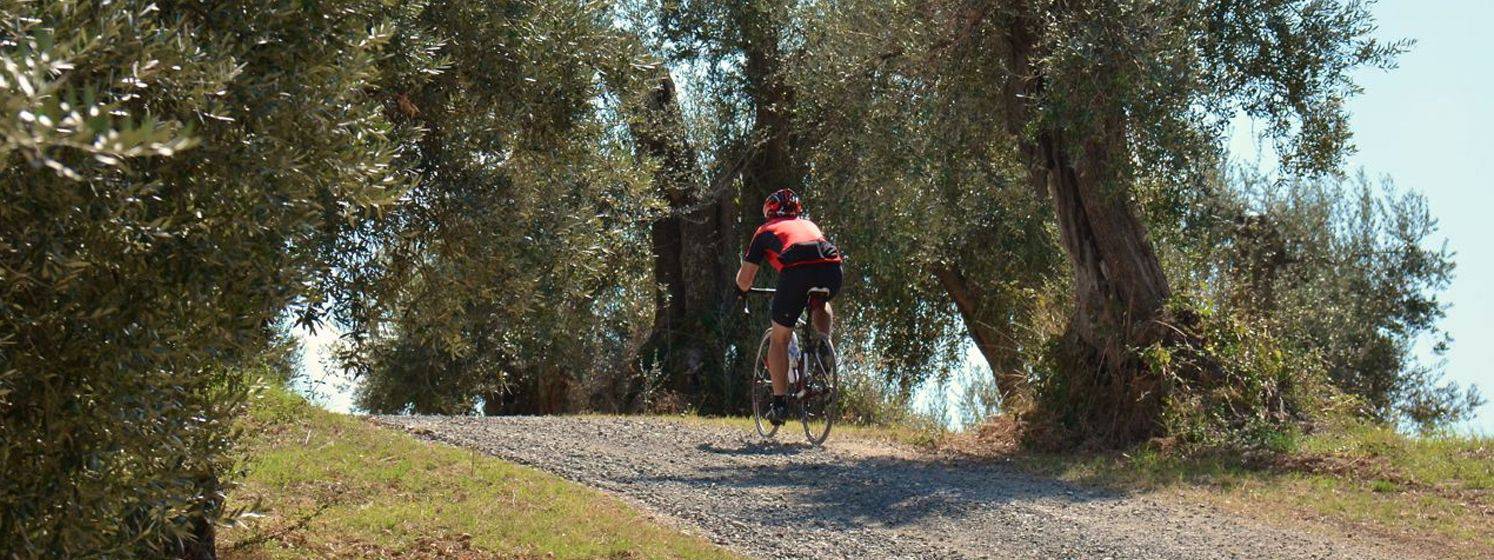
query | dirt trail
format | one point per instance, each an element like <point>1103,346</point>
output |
<point>858,499</point>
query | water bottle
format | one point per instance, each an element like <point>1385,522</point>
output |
<point>793,354</point>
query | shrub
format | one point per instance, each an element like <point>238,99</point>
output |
<point>165,167</point>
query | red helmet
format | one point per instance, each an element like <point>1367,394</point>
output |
<point>783,203</point>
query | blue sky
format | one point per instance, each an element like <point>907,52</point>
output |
<point>1429,125</point>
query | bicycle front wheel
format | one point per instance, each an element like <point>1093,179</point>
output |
<point>762,390</point>
<point>821,391</point>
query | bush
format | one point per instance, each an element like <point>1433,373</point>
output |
<point>1344,270</point>
<point>165,168</point>
<point>866,400</point>
<point>1257,389</point>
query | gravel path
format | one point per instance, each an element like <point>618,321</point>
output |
<point>858,499</point>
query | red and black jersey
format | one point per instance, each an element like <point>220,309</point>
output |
<point>789,243</point>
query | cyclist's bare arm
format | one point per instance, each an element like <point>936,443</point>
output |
<point>745,276</point>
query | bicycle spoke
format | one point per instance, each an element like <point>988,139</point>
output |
<point>762,392</point>
<point>817,410</point>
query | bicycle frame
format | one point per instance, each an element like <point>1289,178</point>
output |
<point>809,342</point>
<point>806,387</point>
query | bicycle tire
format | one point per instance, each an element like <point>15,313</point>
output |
<point>819,406</point>
<point>762,390</point>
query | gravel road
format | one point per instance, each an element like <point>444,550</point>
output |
<point>860,499</point>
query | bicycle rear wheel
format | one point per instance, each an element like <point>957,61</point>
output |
<point>762,390</point>
<point>818,405</point>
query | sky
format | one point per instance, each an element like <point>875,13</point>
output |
<point>1428,125</point>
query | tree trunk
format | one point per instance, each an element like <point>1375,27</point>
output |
<point>768,161</point>
<point>1011,381</point>
<point>688,244</point>
<point>1106,394</point>
<point>1119,292</point>
<point>537,392</point>
<point>774,163</point>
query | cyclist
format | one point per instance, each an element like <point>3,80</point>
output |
<point>804,259</point>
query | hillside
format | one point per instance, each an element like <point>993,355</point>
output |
<point>324,485</point>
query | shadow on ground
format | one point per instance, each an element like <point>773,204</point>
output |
<point>812,485</point>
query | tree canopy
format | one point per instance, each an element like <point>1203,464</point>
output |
<point>535,207</point>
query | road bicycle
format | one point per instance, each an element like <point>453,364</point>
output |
<point>814,385</point>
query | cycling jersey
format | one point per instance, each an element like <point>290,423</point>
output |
<point>790,243</point>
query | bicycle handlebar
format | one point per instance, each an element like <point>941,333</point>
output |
<point>760,291</point>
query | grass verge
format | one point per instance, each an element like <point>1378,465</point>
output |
<point>336,486</point>
<point>1432,495</point>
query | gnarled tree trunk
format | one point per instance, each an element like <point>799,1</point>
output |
<point>1106,394</point>
<point>1119,292</point>
<point>979,319</point>
<point>688,245</point>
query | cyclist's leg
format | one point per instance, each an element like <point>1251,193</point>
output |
<point>820,312</point>
<point>778,364</point>
<point>788,304</point>
<point>823,317</point>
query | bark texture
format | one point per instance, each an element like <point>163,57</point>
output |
<point>1119,292</point>
<point>689,244</point>
<point>1106,394</point>
<point>981,321</point>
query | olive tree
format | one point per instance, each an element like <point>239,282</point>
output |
<point>167,168</point>
<point>1096,100</point>
<point>513,269</point>
<point>1344,270</point>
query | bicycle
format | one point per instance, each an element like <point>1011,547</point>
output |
<point>813,384</point>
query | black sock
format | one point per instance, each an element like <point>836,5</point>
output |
<point>780,400</point>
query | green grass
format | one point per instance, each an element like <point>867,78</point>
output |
<point>1431,494</point>
<point>336,486</point>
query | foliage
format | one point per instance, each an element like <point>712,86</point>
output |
<point>1003,108</point>
<point>1181,70</point>
<point>918,180</point>
<point>1340,270</point>
<point>1251,400</point>
<point>710,44</point>
<point>163,174</point>
<point>509,272</point>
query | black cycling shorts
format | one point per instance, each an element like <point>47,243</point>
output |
<point>793,289</point>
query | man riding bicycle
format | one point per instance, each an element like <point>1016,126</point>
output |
<point>804,260</point>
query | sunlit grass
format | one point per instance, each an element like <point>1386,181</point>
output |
<point>1431,493</point>
<point>367,491</point>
